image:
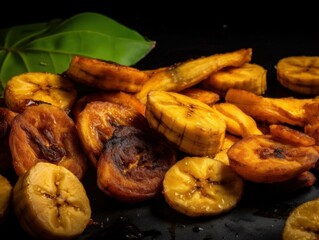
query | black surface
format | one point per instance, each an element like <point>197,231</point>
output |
<point>183,31</point>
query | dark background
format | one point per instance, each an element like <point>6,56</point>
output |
<point>182,16</point>
<point>185,30</point>
<point>196,25</point>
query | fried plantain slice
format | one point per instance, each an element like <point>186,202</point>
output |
<point>119,97</point>
<point>312,126</point>
<point>189,124</point>
<point>98,120</point>
<point>228,142</point>
<point>132,165</point>
<point>46,133</point>
<point>285,110</point>
<point>286,134</point>
<point>262,158</point>
<point>202,186</point>
<point>189,73</point>
<point>302,222</point>
<point>251,77</point>
<point>33,88</point>
<point>299,74</point>
<point>203,95</point>
<point>106,75</point>
<point>237,121</point>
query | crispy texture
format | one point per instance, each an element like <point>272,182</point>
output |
<point>299,74</point>
<point>203,95</point>
<point>202,186</point>
<point>187,74</point>
<point>250,77</point>
<point>98,120</point>
<point>189,124</point>
<point>237,122</point>
<point>45,133</point>
<point>119,97</point>
<point>133,163</point>
<point>263,159</point>
<point>33,88</point>
<point>287,110</point>
<point>291,136</point>
<point>302,222</point>
<point>106,75</point>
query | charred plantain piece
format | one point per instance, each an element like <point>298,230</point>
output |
<point>132,164</point>
<point>98,120</point>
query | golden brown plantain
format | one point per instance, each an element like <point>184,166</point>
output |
<point>188,73</point>
<point>202,186</point>
<point>228,142</point>
<point>205,96</point>
<point>292,136</point>
<point>237,122</point>
<point>302,222</point>
<point>119,97</point>
<point>263,159</point>
<point>33,88</point>
<point>189,124</point>
<point>251,77</point>
<point>299,74</point>
<point>106,75</point>
<point>285,110</point>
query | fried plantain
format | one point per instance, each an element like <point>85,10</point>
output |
<point>263,159</point>
<point>45,133</point>
<point>105,75</point>
<point>132,164</point>
<point>98,120</point>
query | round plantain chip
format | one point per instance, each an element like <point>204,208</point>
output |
<point>202,186</point>
<point>302,223</point>
<point>33,88</point>
<point>45,133</point>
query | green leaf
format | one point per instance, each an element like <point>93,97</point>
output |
<point>49,47</point>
